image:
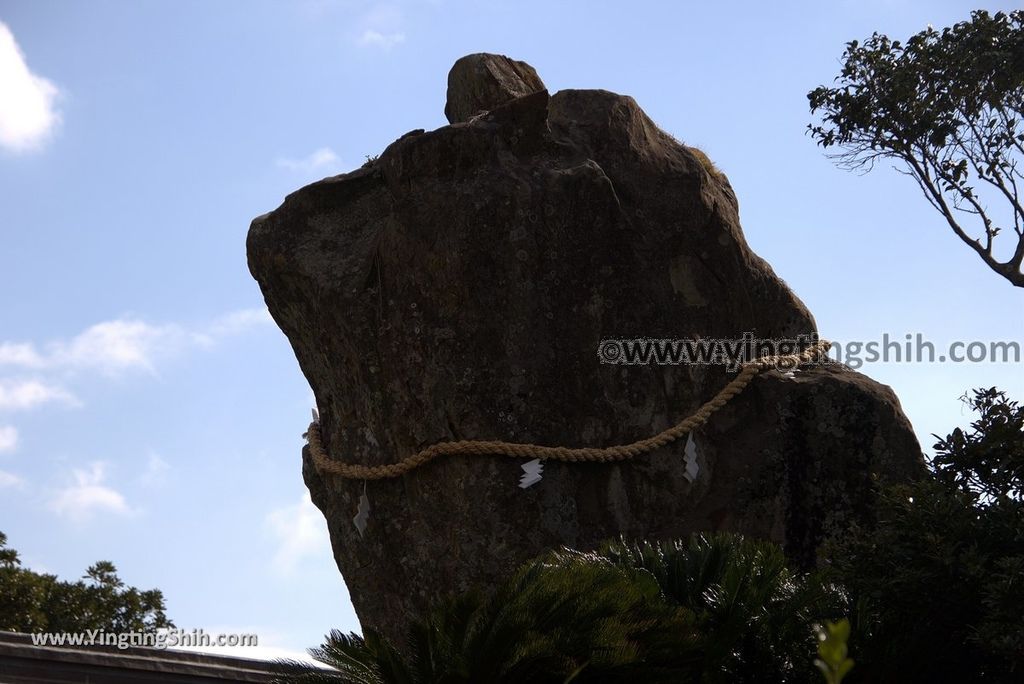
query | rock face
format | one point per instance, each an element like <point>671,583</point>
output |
<point>483,81</point>
<point>458,288</point>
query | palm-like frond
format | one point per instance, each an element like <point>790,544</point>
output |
<point>354,660</point>
<point>713,608</point>
<point>754,614</point>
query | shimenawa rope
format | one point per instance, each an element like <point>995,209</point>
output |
<point>326,464</point>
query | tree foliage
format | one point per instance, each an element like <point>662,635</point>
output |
<point>947,105</point>
<point>567,617</point>
<point>935,584</point>
<point>37,602</point>
<point>833,661</point>
<point>753,613</point>
<point>989,458</point>
<point>713,609</point>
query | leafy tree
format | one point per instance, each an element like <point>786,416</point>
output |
<point>34,602</point>
<point>988,460</point>
<point>947,105</point>
<point>935,584</point>
<point>22,593</point>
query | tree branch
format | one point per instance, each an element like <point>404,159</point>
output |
<point>1009,270</point>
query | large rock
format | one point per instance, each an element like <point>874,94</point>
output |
<point>458,287</point>
<point>481,82</point>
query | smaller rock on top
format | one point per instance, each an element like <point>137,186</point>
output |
<point>482,81</point>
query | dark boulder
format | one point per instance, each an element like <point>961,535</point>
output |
<point>458,288</point>
<point>481,82</point>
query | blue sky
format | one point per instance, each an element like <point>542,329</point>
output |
<point>150,413</point>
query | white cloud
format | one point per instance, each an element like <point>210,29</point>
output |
<point>239,321</point>
<point>386,41</point>
<point>156,470</point>
<point>119,345</point>
<point>88,495</point>
<point>381,27</point>
<point>24,355</point>
<point>10,480</point>
<point>26,394</point>
<point>8,438</point>
<point>111,347</point>
<point>319,159</point>
<point>27,102</point>
<point>125,344</point>
<point>301,532</point>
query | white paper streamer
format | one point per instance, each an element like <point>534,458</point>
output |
<point>690,459</point>
<point>532,472</point>
<point>362,513</point>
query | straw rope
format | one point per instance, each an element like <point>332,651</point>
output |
<point>325,464</point>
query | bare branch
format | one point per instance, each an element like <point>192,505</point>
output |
<point>929,187</point>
